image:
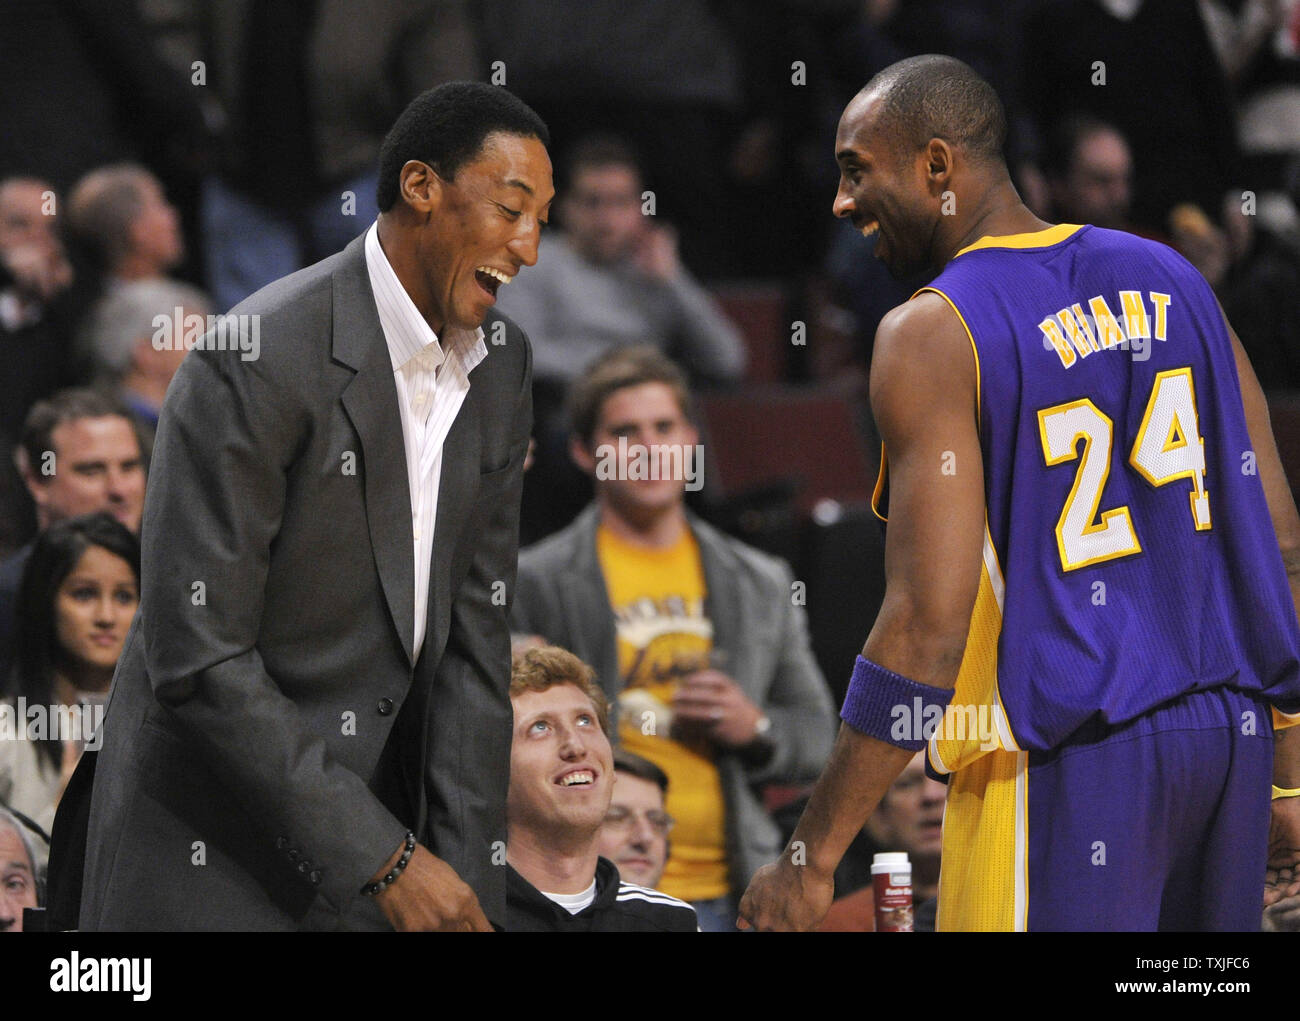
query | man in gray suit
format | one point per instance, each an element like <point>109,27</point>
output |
<point>314,697</point>
<point>697,635</point>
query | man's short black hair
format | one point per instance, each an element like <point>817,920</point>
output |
<point>935,96</point>
<point>644,769</point>
<point>445,128</point>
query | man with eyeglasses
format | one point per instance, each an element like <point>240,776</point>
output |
<point>562,774</point>
<point>634,835</point>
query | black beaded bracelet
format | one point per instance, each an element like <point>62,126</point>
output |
<point>370,889</point>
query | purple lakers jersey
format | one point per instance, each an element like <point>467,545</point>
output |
<point>1129,556</point>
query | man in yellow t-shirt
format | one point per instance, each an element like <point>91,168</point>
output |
<point>694,633</point>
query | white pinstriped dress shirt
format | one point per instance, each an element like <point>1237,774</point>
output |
<point>432,380</point>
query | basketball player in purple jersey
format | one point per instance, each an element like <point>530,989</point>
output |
<point>1092,559</point>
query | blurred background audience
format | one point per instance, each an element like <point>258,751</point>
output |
<point>134,341</point>
<point>80,453</point>
<point>611,279</point>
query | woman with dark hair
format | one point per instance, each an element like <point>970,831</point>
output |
<point>78,597</point>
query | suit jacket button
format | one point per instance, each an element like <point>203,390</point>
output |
<point>315,877</point>
<point>304,866</point>
<point>385,706</point>
<point>281,843</point>
<point>293,854</point>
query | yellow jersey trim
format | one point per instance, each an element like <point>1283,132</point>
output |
<point>1034,239</point>
<point>984,880</point>
<point>879,491</point>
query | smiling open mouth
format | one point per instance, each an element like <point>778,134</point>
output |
<point>870,229</point>
<point>490,279</point>
<point>580,777</point>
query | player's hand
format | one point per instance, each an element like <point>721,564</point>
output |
<point>428,896</point>
<point>1282,878</point>
<point>784,897</point>
<point>712,704</point>
<point>1283,916</point>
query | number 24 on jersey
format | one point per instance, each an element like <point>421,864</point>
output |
<point>1168,448</point>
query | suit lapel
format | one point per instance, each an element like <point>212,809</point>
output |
<point>370,402</point>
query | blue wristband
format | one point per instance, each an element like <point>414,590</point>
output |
<point>890,708</point>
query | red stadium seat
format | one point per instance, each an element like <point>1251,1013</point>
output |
<point>760,312</point>
<point>763,436</point>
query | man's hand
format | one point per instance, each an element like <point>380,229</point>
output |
<point>428,896</point>
<point>710,703</point>
<point>656,253</point>
<point>40,272</point>
<point>1282,878</point>
<point>784,897</point>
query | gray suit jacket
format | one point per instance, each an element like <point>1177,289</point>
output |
<point>247,779</point>
<point>561,596</point>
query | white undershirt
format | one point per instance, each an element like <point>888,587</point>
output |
<point>432,380</point>
<point>573,902</point>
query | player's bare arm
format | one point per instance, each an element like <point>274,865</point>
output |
<point>924,397</point>
<point>1283,876</point>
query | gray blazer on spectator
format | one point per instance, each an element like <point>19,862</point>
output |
<point>561,596</point>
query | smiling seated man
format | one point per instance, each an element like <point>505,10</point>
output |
<point>561,779</point>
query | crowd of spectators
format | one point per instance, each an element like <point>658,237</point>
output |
<point>162,159</point>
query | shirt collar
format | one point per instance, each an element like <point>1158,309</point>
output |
<point>405,330</point>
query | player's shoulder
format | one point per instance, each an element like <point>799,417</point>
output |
<point>925,335</point>
<point>655,908</point>
<point>927,323</point>
<point>1111,243</point>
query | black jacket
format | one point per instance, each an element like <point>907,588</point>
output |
<point>618,907</point>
